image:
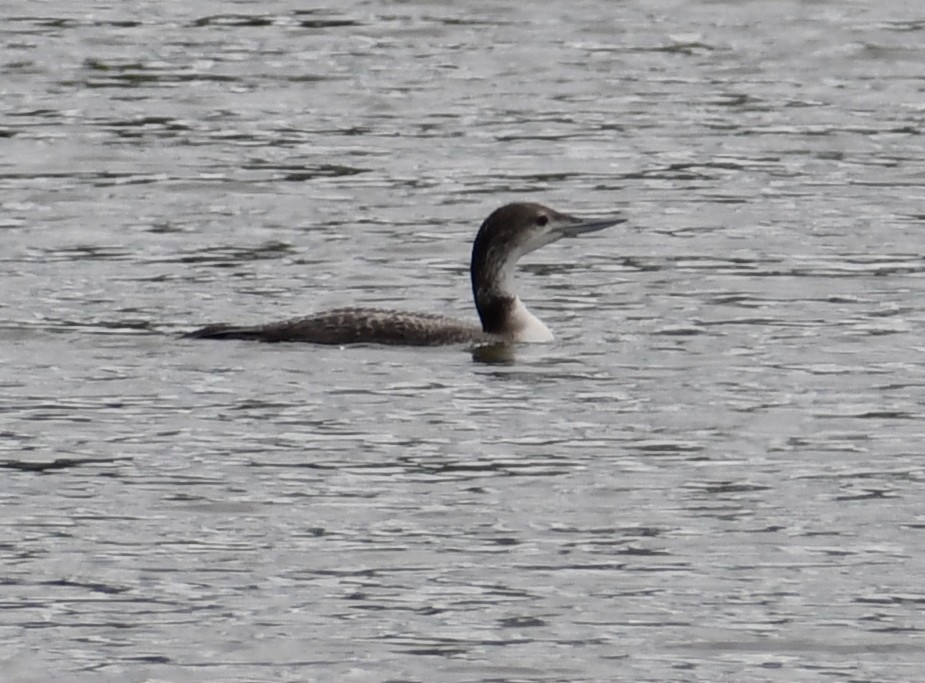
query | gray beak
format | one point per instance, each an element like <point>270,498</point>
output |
<point>580,227</point>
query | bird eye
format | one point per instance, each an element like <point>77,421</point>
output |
<point>542,220</point>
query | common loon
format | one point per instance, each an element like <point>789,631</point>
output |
<point>506,235</point>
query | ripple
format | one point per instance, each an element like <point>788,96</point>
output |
<point>715,469</point>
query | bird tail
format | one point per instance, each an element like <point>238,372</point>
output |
<point>225,331</point>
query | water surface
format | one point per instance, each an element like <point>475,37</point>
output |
<point>715,472</point>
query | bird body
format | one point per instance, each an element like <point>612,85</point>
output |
<point>507,234</point>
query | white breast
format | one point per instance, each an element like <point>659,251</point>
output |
<point>527,327</point>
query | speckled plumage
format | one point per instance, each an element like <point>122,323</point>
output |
<point>355,326</point>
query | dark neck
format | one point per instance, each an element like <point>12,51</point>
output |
<point>493,303</point>
<point>495,313</point>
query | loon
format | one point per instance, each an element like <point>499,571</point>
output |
<point>506,235</point>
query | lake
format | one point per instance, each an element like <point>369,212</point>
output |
<point>715,473</point>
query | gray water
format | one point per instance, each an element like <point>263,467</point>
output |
<point>714,474</point>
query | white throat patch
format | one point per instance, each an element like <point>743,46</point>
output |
<point>527,327</point>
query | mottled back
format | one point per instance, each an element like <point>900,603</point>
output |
<point>355,326</point>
